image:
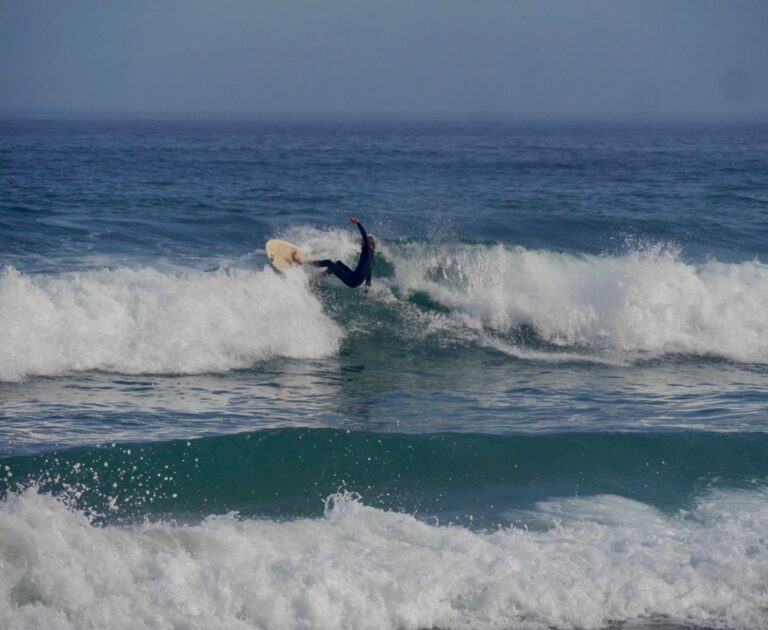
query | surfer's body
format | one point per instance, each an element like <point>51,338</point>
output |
<point>362,272</point>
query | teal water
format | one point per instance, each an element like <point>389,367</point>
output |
<point>469,479</point>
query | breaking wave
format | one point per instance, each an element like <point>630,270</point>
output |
<point>149,321</point>
<point>532,305</point>
<point>595,561</point>
<point>643,304</point>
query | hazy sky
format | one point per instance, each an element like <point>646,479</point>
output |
<point>538,59</point>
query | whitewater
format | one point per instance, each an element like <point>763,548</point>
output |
<point>595,560</point>
<point>149,321</point>
<point>640,305</point>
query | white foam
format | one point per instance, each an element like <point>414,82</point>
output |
<point>601,560</point>
<point>549,357</point>
<point>149,321</point>
<point>644,304</point>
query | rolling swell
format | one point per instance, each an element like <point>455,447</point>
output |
<point>285,473</point>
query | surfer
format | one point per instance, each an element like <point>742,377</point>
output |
<point>351,277</point>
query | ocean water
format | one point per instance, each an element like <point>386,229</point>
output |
<point>551,411</point>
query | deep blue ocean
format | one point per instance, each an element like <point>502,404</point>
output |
<point>550,411</point>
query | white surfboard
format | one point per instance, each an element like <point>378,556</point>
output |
<point>280,253</point>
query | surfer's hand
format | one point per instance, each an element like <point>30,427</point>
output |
<point>354,221</point>
<point>296,257</point>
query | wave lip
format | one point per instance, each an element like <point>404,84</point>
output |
<point>601,560</point>
<point>644,304</point>
<point>147,321</point>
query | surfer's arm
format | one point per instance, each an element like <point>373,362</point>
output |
<point>360,227</point>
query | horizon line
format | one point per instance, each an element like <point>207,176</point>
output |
<point>382,116</point>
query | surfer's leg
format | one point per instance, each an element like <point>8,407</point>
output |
<point>338,269</point>
<point>326,264</point>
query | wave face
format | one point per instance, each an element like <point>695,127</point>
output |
<point>465,478</point>
<point>644,304</point>
<point>600,560</point>
<point>148,321</point>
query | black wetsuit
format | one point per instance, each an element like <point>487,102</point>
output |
<point>361,273</point>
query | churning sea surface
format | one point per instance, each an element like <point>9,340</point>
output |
<point>550,411</point>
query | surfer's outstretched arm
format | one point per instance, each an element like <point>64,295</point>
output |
<point>360,227</point>
<point>366,239</point>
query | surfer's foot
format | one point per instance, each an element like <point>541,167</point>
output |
<point>295,257</point>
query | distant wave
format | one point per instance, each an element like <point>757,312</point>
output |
<point>602,560</point>
<point>643,304</point>
<point>149,321</point>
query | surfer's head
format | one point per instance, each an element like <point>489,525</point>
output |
<point>372,242</point>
